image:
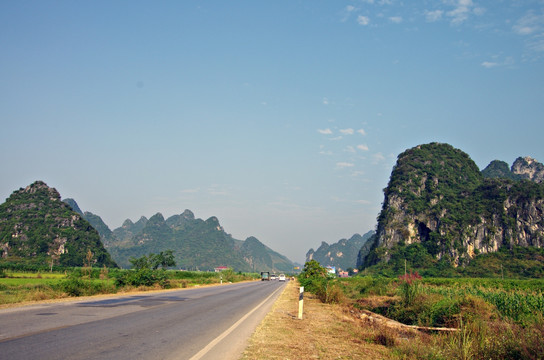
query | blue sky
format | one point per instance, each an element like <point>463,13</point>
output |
<point>282,118</point>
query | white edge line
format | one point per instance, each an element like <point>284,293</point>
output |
<point>208,347</point>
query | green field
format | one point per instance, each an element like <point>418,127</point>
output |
<point>456,318</point>
<point>19,286</point>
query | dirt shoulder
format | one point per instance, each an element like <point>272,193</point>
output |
<point>325,332</point>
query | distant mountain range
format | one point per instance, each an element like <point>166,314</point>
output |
<point>342,254</point>
<point>197,244</point>
<point>37,227</point>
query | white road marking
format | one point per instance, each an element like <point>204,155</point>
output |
<point>208,347</point>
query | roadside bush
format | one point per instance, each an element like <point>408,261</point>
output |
<point>316,280</point>
<point>142,277</point>
<point>313,277</point>
<point>83,287</point>
<point>328,291</point>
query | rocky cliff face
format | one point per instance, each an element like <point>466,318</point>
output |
<point>528,168</point>
<point>342,254</point>
<point>438,198</point>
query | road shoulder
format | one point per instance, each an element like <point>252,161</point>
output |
<point>325,332</point>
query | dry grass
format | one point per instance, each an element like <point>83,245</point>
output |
<point>326,332</point>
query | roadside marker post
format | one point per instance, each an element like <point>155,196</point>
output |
<point>300,302</point>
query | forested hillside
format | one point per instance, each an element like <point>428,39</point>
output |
<point>440,211</point>
<point>37,227</point>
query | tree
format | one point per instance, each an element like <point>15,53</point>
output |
<point>164,259</point>
<point>152,261</point>
<point>140,263</point>
<point>312,269</point>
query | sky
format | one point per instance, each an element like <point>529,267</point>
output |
<point>283,119</point>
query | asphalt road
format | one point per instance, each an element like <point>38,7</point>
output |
<point>202,323</point>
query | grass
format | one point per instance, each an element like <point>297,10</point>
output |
<point>18,287</point>
<point>345,330</point>
<point>34,275</point>
<point>327,331</point>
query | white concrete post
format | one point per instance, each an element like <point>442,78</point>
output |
<point>300,302</point>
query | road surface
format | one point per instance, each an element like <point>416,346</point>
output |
<point>202,323</point>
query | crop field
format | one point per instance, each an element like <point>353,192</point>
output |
<point>455,318</point>
<point>518,300</point>
<point>21,286</point>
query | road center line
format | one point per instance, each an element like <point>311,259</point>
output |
<point>208,347</point>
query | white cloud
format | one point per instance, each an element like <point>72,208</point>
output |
<point>378,158</point>
<point>336,138</point>
<point>357,173</point>
<point>363,20</point>
<point>497,62</point>
<point>348,10</point>
<point>349,149</point>
<point>536,44</point>
<point>325,131</point>
<point>363,202</point>
<point>489,64</point>
<point>395,19</point>
<point>344,164</point>
<point>216,191</point>
<point>327,152</point>
<point>190,191</point>
<point>347,131</point>
<point>362,132</point>
<point>463,8</point>
<point>433,16</point>
<point>362,147</point>
<point>325,101</point>
<point>529,24</point>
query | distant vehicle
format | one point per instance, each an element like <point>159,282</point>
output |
<point>282,277</point>
<point>273,277</point>
<point>265,276</point>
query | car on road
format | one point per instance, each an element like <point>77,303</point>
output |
<point>273,277</point>
<point>282,277</point>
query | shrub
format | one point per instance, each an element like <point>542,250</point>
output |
<point>409,286</point>
<point>83,287</point>
<point>142,277</point>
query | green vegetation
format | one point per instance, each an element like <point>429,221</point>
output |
<point>315,279</point>
<point>499,169</point>
<point>495,318</point>
<point>197,244</point>
<point>516,262</point>
<point>20,286</point>
<point>342,254</point>
<point>163,259</point>
<point>436,198</point>
<point>36,227</point>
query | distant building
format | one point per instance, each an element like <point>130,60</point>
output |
<point>221,268</point>
<point>343,274</point>
<point>331,269</point>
